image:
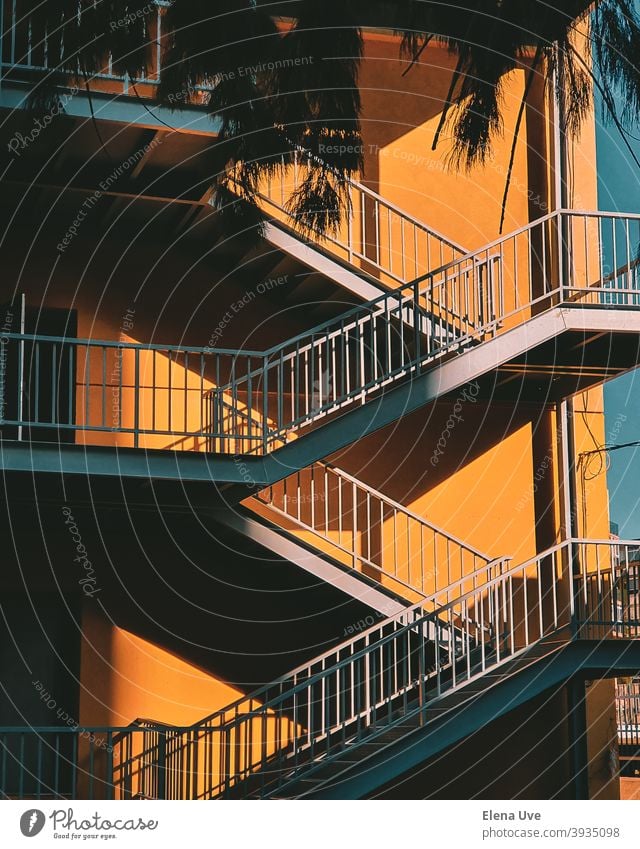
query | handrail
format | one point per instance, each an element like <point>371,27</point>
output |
<point>129,346</point>
<point>471,255</point>
<point>417,607</point>
<point>525,228</point>
<point>512,631</point>
<point>406,510</point>
<point>564,258</point>
<point>381,533</point>
<point>377,234</point>
<point>385,677</point>
<point>508,645</point>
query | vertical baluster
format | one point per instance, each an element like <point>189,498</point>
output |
<point>87,385</point>
<point>354,508</point>
<point>390,239</point>
<point>376,209</point>
<point>136,397</point>
<point>626,299</point>
<point>511,619</point>
<point>339,511</point>
<point>350,222</point>
<point>34,414</point>
<point>363,226</point>
<point>367,682</point>
<point>103,393</point>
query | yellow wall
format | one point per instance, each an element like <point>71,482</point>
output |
<point>630,788</point>
<point>125,677</point>
<point>400,117</point>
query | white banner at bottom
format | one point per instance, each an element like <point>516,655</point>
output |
<point>319,825</point>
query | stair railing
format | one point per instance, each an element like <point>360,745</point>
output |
<point>377,236</point>
<point>371,532</point>
<point>399,667</point>
<point>567,257</point>
<point>338,365</point>
<point>211,757</point>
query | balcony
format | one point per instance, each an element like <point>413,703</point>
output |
<point>628,719</point>
<point>27,48</point>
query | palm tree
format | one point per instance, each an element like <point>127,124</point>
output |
<point>282,85</point>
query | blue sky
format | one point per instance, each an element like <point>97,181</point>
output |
<point>619,190</point>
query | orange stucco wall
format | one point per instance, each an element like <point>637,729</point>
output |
<point>630,788</point>
<point>400,117</point>
<point>486,489</point>
<point>125,677</point>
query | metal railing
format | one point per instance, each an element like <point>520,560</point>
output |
<point>386,676</point>
<point>377,236</point>
<point>55,762</point>
<point>256,401</point>
<point>26,45</point>
<point>566,258</point>
<point>148,396</point>
<point>628,716</point>
<point>398,668</point>
<point>370,532</point>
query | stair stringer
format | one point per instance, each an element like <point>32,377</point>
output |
<point>564,660</point>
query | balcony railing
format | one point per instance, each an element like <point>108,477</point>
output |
<point>227,401</point>
<point>26,46</point>
<point>628,716</point>
<point>122,393</point>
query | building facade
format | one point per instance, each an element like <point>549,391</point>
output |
<point>305,517</point>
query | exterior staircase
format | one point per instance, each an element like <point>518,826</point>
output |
<point>408,687</point>
<point>508,298</point>
<point>491,319</point>
<point>467,638</point>
<point>365,531</point>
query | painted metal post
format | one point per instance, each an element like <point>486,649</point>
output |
<point>561,199</point>
<point>136,398</point>
<point>265,404</point>
<point>21,366</point>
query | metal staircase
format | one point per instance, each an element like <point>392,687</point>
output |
<point>409,686</point>
<point>381,243</point>
<point>502,310</point>
<point>373,707</point>
<point>367,532</point>
<point>563,262</point>
<point>472,637</point>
